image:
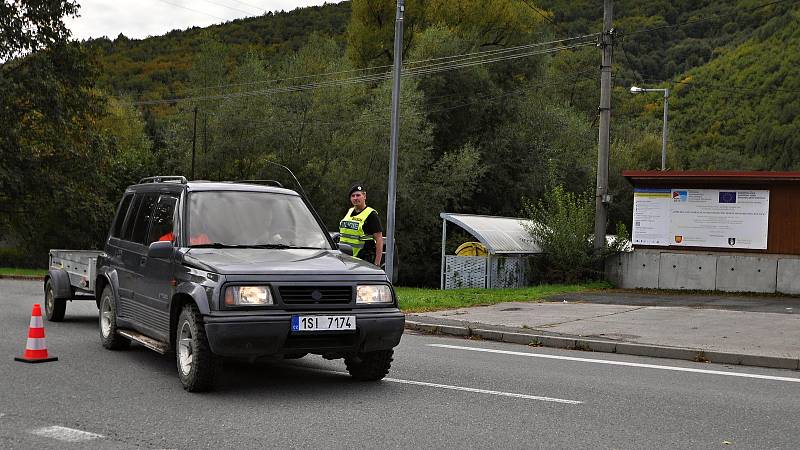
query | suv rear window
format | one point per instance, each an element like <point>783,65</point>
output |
<point>116,230</point>
<point>142,219</point>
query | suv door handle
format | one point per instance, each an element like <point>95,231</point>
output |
<point>143,260</point>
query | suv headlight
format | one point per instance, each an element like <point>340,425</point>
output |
<point>248,296</point>
<point>369,294</point>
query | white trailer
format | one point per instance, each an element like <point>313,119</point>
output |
<point>71,276</point>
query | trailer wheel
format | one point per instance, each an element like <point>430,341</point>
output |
<point>54,308</point>
<point>108,323</point>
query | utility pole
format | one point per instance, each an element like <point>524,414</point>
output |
<point>194,138</point>
<point>398,66</point>
<point>602,197</point>
<point>205,143</point>
<point>665,131</point>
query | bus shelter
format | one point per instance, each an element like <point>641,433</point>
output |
<point>508,245</point>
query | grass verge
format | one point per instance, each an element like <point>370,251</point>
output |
<point>421,300</point>
<point>15,272</point>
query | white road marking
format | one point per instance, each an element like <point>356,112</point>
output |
<point>620,363</point>
<point>65,434</point>
<point>485,391</point>
<point>467,389</point>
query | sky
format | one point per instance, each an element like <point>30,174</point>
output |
<point>138,19</point>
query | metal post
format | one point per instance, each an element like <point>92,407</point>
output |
<point>398,66</point>
<point>664,133</point>
<point>194,138</point>
<point>444,240</point>
<point>601,213</point>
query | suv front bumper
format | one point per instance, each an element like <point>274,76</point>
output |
<point>253,336</point>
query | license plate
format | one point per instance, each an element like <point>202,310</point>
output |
<point>323,323</point>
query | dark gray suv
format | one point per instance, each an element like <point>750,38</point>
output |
<point>215,270</point>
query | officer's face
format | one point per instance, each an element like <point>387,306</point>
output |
<point>358,199</point>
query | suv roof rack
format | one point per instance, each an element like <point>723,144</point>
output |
<point>164,179</point>
<point>267,182</point>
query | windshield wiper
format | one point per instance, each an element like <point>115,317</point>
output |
<point>283,246</point>
<point>269,246</point>
<point>214,245</point>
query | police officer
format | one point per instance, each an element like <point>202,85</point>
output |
<point>361,227</point>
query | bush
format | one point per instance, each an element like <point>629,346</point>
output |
<point>19,258</point>
<point>564,230</point>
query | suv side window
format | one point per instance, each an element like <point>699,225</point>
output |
<point>142,219</point>
<point>163,219</point>
<point>116,230</point>
<point>127,230</point>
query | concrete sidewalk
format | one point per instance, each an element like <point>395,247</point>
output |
<point>641,324</point>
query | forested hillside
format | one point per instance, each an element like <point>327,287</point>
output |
<point>159,66</point>
<point>499,104</point>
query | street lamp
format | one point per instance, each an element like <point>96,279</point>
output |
<point>638,90</point>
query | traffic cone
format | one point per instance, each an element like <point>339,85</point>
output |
<point>36,349</point>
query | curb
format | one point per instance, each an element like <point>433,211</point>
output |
<point>593,345</point>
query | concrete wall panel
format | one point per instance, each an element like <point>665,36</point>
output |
<point>788,277</point>
<point>631,270</point>
<point>687,271</point>
<point>738,273</point>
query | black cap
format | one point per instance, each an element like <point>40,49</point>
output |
<point>355,187</point>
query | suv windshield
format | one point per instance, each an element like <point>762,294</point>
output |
<point>236,218</point>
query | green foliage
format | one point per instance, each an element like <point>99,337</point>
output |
<point>31,25</point>
<point>563,225</point>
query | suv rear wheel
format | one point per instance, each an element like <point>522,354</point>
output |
<point>108,323</point>
<point>196,363</point>
<point>369,366</point>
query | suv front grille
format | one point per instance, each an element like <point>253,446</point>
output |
<point>316,295</point>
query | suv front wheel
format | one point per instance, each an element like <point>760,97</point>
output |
<point>196,364</point>
<point>369,366</point>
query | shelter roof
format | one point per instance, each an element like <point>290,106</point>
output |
<point>498,234</point>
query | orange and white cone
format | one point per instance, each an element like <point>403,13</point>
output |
<point>36,349</point>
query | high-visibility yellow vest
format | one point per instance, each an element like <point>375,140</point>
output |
<point>351,230</point>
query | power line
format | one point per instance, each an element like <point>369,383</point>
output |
<point>193,10</point>
<point>407,65</point>
<point>543,15</point>
<point>480,99</point>
<point>250,13</point>
<point>248,4</point>
<point>416,71</point>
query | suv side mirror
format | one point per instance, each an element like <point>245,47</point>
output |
<point>160,249</point>
<point>347,249</point>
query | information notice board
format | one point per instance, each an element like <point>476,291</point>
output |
<point>724,218</point>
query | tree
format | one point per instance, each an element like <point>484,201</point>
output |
<point>30,25</point>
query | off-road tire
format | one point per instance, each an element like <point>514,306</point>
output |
<point>202,366</point>
<point>109,336</point>
<point>369,366</point>
<point>54,308</point>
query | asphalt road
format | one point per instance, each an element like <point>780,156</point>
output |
<point>443,392</point>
